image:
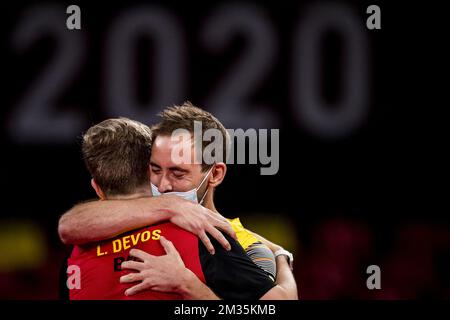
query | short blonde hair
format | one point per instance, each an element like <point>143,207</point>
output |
<point>117,154</point>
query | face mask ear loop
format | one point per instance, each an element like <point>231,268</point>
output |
<point>201,183</point>
<point>203,198</point>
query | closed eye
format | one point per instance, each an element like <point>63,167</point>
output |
<point>155,170</point>
<point>178,175</point>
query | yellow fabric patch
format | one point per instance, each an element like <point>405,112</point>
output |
<point>245,237</point>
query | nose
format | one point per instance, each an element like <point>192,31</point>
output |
<point>164,185</point>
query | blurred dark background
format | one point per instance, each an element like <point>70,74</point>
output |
<point>361,141</point>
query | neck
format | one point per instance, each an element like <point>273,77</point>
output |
<point>141,193</point>
<point>208,203</point>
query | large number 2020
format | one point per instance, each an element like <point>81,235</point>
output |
<point>36,118</point>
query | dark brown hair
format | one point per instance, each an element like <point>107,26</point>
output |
<point>183,117</point>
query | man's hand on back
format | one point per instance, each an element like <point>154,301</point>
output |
<point>152,270</point>
<point>166,273</point>
<point>199,221</point>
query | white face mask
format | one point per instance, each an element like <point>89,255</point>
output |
<point>190,195</point>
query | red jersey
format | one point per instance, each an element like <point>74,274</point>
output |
<point>100,263</point>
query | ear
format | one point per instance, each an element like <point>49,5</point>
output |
<point>98,190</point>
<point>217,174</point>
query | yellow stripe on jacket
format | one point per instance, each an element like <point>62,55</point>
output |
<point>258,252</point>
<point>245,237</point>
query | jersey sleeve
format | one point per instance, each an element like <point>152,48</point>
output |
<point>263,257</point>
<point>232,274</point>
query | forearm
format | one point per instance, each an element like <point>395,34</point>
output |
<point>191,288</point>
<point>98,220</point>
<point>285,278</point>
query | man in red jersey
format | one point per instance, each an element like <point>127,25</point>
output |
<point>117,154</point>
